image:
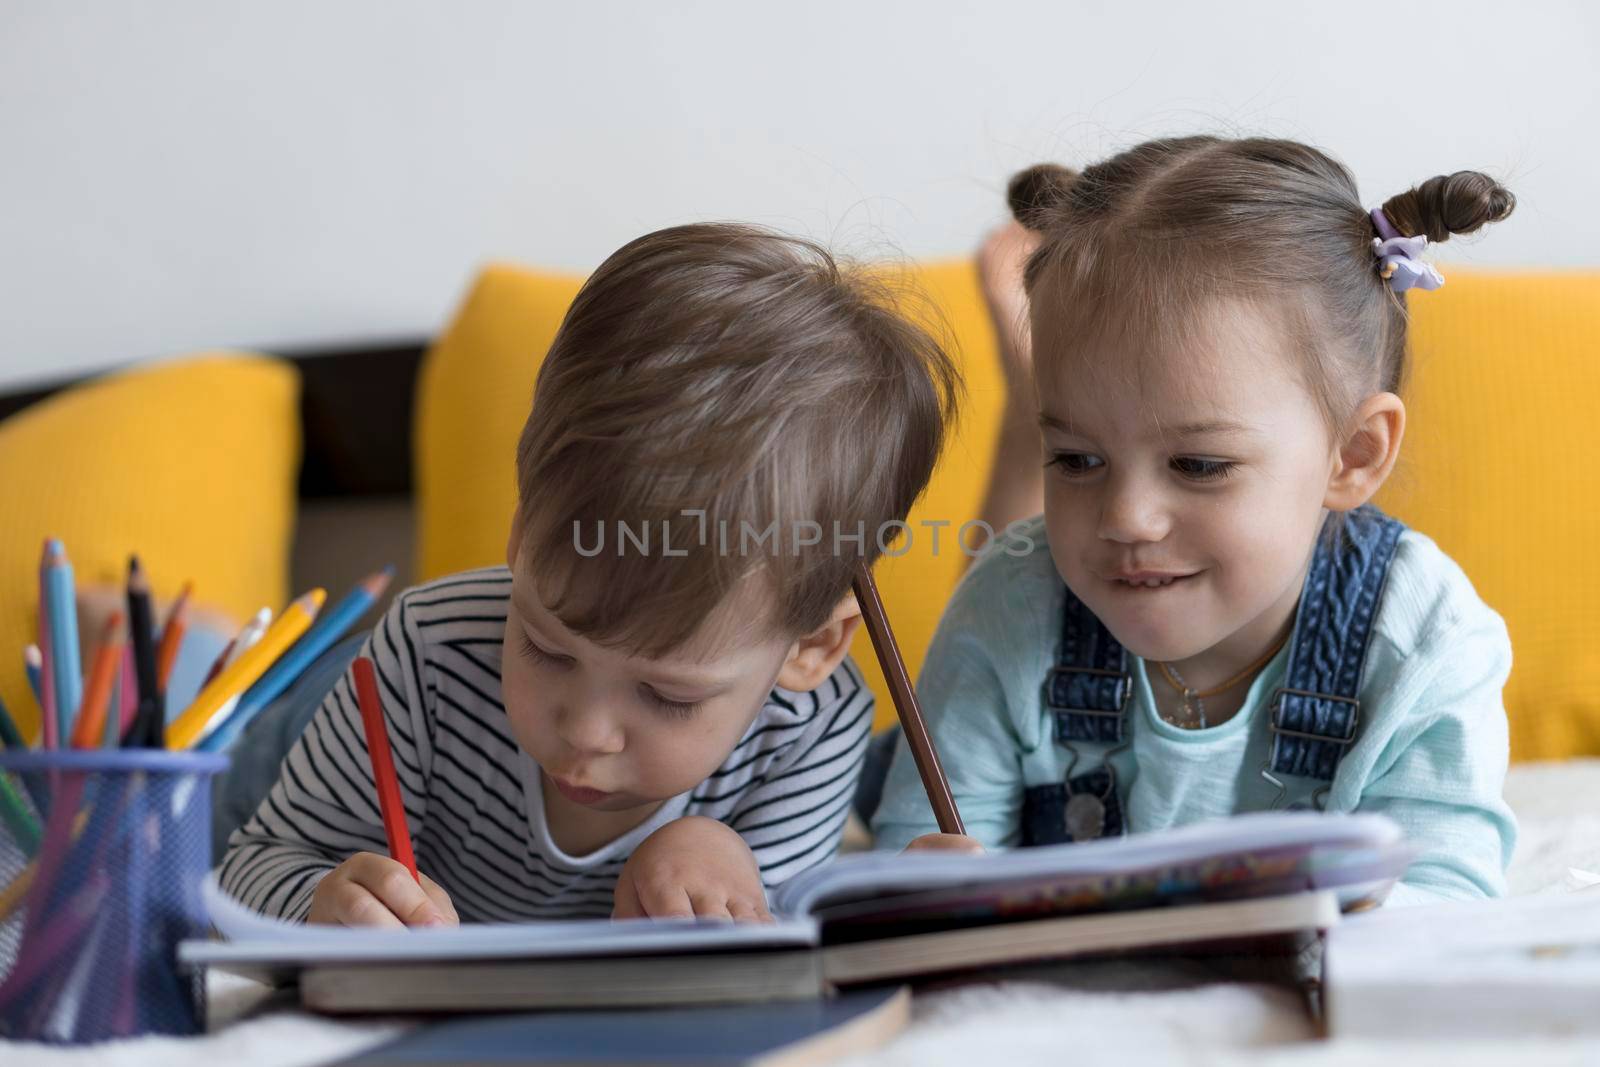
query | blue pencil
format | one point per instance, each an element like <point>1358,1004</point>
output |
<point>66,667</point>
<point>324,633</point>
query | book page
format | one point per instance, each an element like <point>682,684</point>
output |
<point>253,936</point>
<point>869,875</point>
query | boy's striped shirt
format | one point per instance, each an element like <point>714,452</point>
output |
<point>473,797</point>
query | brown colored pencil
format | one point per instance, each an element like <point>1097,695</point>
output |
<point>172,636</point>
<point>905,702</point>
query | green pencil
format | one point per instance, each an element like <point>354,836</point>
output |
<point>14,813</point>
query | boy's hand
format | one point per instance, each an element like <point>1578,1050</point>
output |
<point>372,890</point>
<point>945,842</point>
<point>693,866</point>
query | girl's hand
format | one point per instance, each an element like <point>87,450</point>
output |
<point>945,842</point>
<point>372,890</point>
<point>693,866</point>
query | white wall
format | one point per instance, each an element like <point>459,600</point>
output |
<point>186,173</point>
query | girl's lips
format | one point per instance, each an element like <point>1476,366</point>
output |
<point>1150,583</point>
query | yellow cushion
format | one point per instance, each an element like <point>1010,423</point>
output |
<point>1498,467</point>
<point>192,464</point>
<point>474,392</point>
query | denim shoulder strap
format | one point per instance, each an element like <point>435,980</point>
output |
<point>1316,713</point>
<point>1087,691</point>
<point>1086,694</point>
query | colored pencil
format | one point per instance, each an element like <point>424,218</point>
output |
<point>248,635</point>
<point>127,696</point>
<point>43,678</point>
<point>331,626</point>
<point>33,663</point>
<point>241,642</point>
<point>905,702</point>
<point>11,896</point>
<point>251,665</point>
<point>149,722</point>
<point>172,636</point>
<point>383,776</point>
<point>66,665</point>
<point>221,661</point>
<point>15,742</point>
<point>18,819</point>
<point>91,728</point>
<point>9,734</point>
<point>53,938</point>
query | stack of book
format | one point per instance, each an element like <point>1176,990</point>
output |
<point>1241,885</point>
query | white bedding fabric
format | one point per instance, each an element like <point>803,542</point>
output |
<point>1167,1019</point>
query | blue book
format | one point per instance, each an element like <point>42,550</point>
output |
<point>793,1033</point>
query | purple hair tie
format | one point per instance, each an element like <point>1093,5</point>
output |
<point>1400,258</point>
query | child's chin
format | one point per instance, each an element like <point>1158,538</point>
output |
<point>1154,640</point>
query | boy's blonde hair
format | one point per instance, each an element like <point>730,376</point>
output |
<point>730,370</point>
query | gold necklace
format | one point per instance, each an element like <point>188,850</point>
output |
<point>1175,680</point>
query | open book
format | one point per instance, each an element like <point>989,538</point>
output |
<point>861,918</point>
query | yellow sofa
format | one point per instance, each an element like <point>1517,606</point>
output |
<point>1497,462</point>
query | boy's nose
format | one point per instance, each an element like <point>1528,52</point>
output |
<point>590,731</point>
<point>1130,513</point>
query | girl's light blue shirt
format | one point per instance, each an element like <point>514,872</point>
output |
<point>1431,751</point>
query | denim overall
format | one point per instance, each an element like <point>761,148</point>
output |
<point>1314,715</point>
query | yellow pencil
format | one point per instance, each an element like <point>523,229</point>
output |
<point>242,672</point>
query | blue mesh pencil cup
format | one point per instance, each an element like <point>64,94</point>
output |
<point>102,854</point>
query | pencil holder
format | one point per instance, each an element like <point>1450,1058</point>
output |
<point>101,858</point>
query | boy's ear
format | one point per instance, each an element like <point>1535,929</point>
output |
<point>1368,453</point>
<point>815,656</point>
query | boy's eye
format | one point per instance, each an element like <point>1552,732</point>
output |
<point>677,708</point>
<point>539,655</point>
<point>1202,470</point>
<point>1074,462</point>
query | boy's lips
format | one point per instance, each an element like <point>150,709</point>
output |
<point>578,794</point>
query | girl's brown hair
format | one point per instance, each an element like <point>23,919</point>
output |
<point>735,371</point>
<point>1136,246</point>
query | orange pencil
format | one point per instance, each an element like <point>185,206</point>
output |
<point>394,812</point>
<point>91,725</point>
<point>172,635</point>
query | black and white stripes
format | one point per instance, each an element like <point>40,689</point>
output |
<point>472,797</point>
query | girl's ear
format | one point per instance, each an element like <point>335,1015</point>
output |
<point>814,657</point>
<point>1367,454</point>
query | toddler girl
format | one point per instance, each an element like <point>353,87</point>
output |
<point>1210,617</point>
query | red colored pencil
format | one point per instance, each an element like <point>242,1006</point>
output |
<point>394,813</point>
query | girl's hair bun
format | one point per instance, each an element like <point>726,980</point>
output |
<point>1449,204</point>
<point>1037,194</point>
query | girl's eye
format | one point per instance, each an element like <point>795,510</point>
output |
<point>1074,462</point>
<point>539,655</point>
<point>1202,470</point>
<point>678,709</point>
